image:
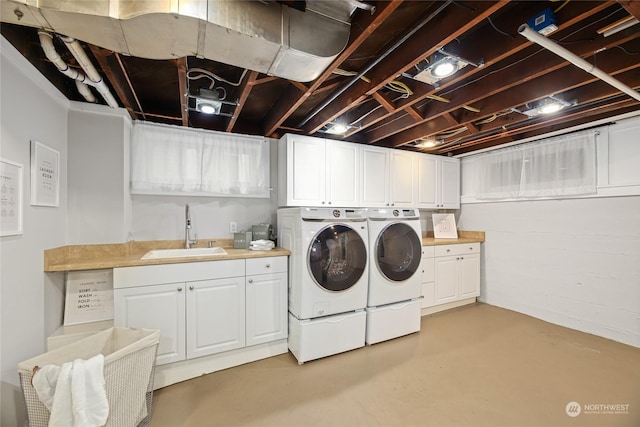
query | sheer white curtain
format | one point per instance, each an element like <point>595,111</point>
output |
<point>235,165</point>
<point>560,166</point>
<point>165,159</point>
<point>174,160</point>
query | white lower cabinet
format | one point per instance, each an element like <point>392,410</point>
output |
<point>216,307</point>
<point>266,308</point>
<point>456,275</point>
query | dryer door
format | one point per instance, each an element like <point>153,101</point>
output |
<point>398,252</point>
<point>337,258</point>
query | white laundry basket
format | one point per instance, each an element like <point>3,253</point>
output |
<point>129,356</point>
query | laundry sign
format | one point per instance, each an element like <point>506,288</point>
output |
<point>89,296</point>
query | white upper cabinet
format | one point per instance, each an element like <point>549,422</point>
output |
<point>375,177</point>
<point>321,172</point>
<point>438,182</point>
<point>401,178</point>
<point>317,172</point>
<point>343,173</point>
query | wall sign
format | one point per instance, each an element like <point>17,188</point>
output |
<point>10,198</point>
<point>89,296</point>
<point>45,175</point>
<point>444,226</point>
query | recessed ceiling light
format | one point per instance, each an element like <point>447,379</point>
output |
<point>445,68</point>
<point>551,107</point>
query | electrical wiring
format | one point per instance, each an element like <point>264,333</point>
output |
<point>499,31</point>
<point>561,6</point>
<point>470,108</point>
<point>213,77</point>
<point>342,72</point>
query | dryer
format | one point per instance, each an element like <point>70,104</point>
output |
<point>393,303</point>
<point>328,279</point>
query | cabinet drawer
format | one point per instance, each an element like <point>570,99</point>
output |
<point>272,264</point>
<point>428,251</point>
<point>458,249</point>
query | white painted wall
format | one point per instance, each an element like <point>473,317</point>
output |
<point>30,300</point>
<point>572,262</point>
<point>98,173</point>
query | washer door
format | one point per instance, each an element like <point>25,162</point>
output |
<point>398,252</point>
<point>337,258</point>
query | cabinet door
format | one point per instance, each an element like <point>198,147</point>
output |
<point>343,173</point>
<point>449,184</point>
<point>426,185</point>
<point>215,316</point>
<point>375,177</point>
<point>401,178</point>
<point>306,171</point>
<point>446,279</point>
<point>469,276</point>
<point>266,308</point>
<point>155,307</point>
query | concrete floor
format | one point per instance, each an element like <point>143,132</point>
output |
<point>477,365</point>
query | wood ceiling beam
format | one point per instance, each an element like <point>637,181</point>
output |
<point>495,47</point>
<point>632,6</point>
<point>382,100</point>
<point>415,114</point>
<point>109,62</point>
<point>245,90</point>
<point>181,66</point>
<point>453,22</point>
<point>362,26</point>
<point>519,75</point>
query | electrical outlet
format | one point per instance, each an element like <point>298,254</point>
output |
<point>233,227</point>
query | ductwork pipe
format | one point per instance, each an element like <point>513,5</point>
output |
<point>92,77</point>
<point>552,46</point>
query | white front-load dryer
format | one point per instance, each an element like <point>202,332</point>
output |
<point>328,279</point>
<point>395,248</point>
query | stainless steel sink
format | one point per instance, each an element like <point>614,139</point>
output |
<point>183,253</point>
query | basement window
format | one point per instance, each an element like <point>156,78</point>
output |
<point>557,167</point>
<point>172,160</point>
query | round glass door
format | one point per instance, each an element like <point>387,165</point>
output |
<point>398,252</point>
<point>337,258</point>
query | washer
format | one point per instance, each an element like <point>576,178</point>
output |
<point>393,304</point>
<point>328,279</point>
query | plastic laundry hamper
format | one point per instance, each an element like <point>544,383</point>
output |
<point>129,357</point>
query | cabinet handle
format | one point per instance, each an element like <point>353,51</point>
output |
<point>180,289</point>
<point>268,265</point>
<point>448,250</point>
<point>471,248</point>
<point>250,280</point>
<point>323,203</point>
<point>458,259</point>
<point>462,257</point>
<point>191,288</point>
<point>329,202</point>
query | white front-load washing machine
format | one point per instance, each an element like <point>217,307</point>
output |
<point>395,248</point>
<point>328,279</point>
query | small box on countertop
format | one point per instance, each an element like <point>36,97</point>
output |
<point>242,240</point>
<point>261,231</point>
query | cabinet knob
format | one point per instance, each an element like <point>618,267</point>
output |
<point>191,287</point>
<point>448,250</point>
<point>461,257</point>
<point>329,202</point>
<point>323,203</point>
<point>458,259</point>
<point>268,265</point>
<point>180,289</point>
<point>470,248</point>
<point>250,280</point>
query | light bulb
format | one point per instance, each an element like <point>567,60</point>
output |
<point>550,108</point>
<point>444,69</point>
<point>207,108</point>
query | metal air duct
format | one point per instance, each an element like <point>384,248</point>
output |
<point>263,36</point>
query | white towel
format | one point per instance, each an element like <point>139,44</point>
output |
<point>74,393</point>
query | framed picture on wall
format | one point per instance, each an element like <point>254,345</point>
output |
<point>10,198</point>
<point>45,175</point>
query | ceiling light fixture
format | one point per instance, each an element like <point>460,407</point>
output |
<point>547,106</point>
<point>338,128</point>
<point>440,65</point>
<point>209,101</point>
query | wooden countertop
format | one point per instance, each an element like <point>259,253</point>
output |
<point>93,257</point>
<point>464,236</point>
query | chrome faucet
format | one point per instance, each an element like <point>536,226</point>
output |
<point>187,239</point>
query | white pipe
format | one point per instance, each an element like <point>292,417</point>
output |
<point>46,41</point>
<point>552,46</point>
<point>92,77</point>
<point>84,90</point>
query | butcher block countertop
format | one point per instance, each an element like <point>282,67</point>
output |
<point>463,237</point>
<point>93,257</point>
